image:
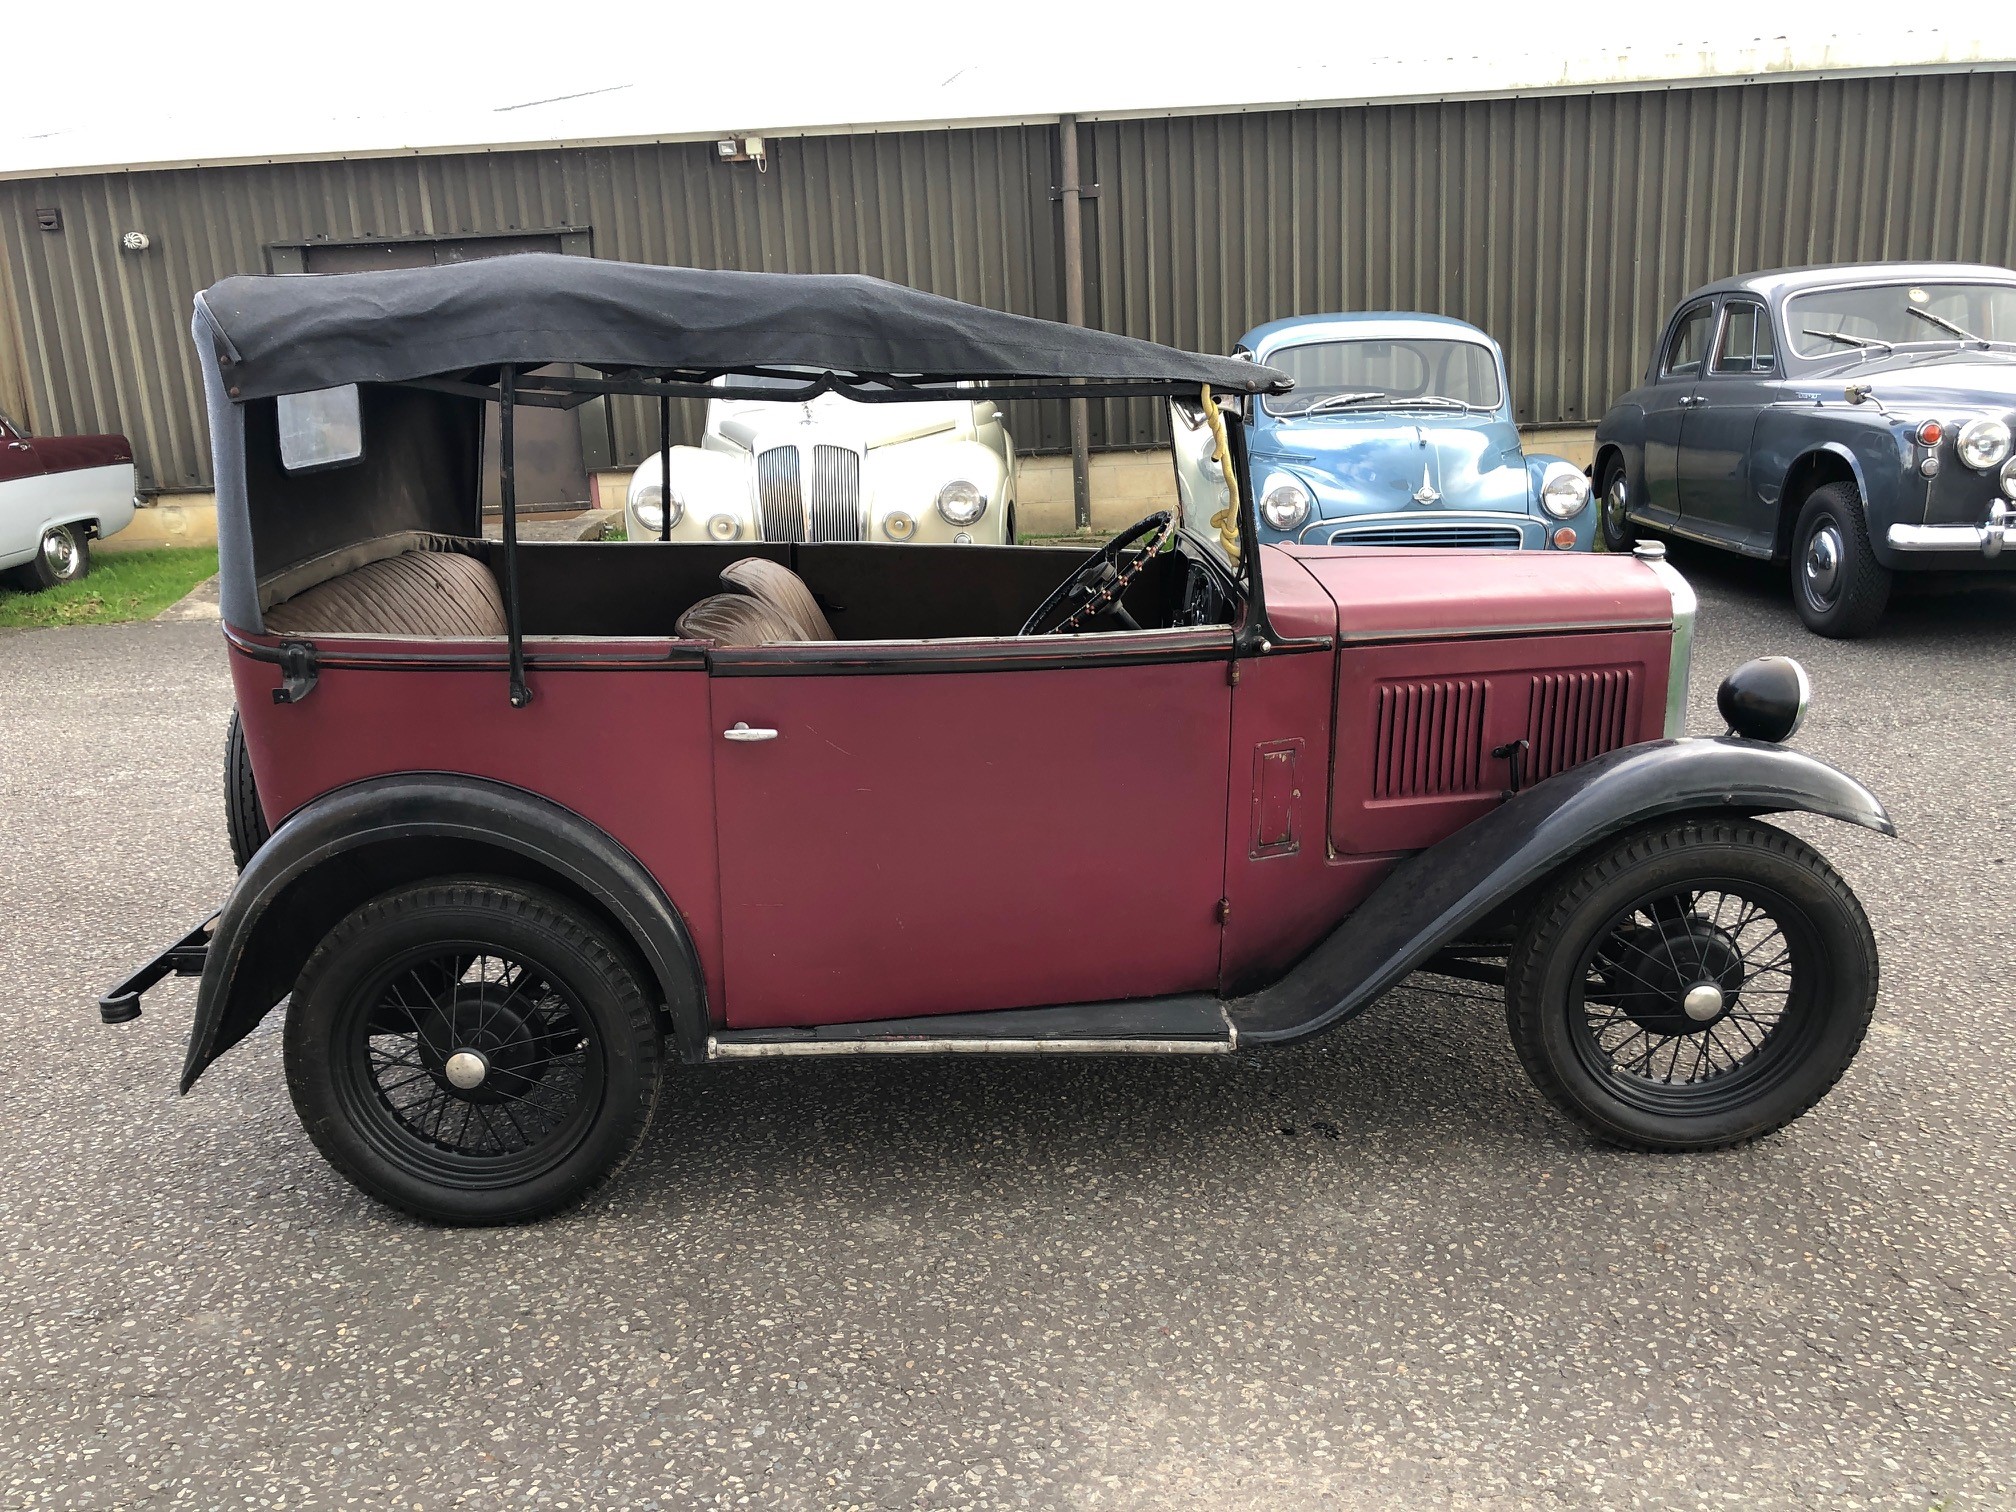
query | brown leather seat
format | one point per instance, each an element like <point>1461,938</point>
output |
<point>776,585</point>
<point>735,619</point>
<point>774,605</point>
<point>425,594</point>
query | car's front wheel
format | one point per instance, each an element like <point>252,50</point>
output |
<point>1613,498</point>
<point>62,556</point>
<point>1699,984</point>
<point>1838,585</point>
<point>472,1052</point>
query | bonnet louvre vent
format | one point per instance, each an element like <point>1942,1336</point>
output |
<point>1572,716</point>
<point>1431,738</point>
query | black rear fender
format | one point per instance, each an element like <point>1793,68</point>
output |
<point>353,844</point>
<point>1436,897</point>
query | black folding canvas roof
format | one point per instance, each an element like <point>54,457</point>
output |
<point>295,333</point>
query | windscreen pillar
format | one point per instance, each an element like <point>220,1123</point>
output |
<point>1074,314</point>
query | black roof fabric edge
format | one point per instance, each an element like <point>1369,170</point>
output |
<point>291,333</point>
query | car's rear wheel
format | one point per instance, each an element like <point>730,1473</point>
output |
<point>1613,498</point>
<point>1698,984</point>
<point>244,818</point>
<point>62,556</point>
<point>1838,585</point>
<point>472,1052</point>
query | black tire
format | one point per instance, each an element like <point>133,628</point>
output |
<point>244,819</point>
<point>1617,532</point>
<point>62,556</point>
<point>1598,999</point>
<point>1838,586</point>
<point>566,1074</point>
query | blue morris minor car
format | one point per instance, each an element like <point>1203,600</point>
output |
<point>1399,432</point>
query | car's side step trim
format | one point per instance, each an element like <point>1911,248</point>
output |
<point>1194,1024</point>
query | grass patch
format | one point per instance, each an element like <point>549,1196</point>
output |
<point>122,585</point>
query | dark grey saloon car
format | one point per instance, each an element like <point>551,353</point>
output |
<point>1851,422</point>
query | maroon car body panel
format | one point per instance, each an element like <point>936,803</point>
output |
<point>25,456</point>
<point>1392,593</point>
<point>74,453</point>
<point>618,734</point>
<point>958,826</point>
<point>959,841</point>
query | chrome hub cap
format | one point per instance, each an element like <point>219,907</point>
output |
<point>1702,1003</point>
<point>1823,564</point>
<point>59,551</point>
<point>466,1068</point>
<point>1614,500</point>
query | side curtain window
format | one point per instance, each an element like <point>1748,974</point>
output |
<point>1689,346</point>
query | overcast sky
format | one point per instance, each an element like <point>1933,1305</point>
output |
<point>90,83</point>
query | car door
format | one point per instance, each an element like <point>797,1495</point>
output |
<point>22,496</point>
<point>1716,495</point>
<point>1667,404</point>
<point>923,827</point>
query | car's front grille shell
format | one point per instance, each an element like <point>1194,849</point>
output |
<point>836,494</point>
<point>778,494</point>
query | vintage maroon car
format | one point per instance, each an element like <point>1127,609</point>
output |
<point>548,816</point>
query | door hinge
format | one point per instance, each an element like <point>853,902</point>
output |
<point>1224,910</point>
<point>297,672</point>
<point>1232,673</point>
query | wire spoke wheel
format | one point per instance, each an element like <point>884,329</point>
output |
<point>474,1062</point>
<point>1696,984</point>
<point>473,1052</point>
<point>1687,996</point>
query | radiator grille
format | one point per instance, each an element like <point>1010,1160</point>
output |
<point>1572,716</point>
<point>778,494</point>
<point>1489,537</point>
<point>836,494</point>
<point>1431,738</point>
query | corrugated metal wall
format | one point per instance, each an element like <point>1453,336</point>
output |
<point>1566,226</point>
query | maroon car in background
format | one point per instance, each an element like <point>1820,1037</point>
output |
<point>548,816</point>
<point>57,495</point>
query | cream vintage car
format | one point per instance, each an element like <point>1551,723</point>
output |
<point>940,472</point>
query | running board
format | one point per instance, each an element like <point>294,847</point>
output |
<point>1191,1025</point>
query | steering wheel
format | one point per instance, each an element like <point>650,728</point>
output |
<point>1097,584</point>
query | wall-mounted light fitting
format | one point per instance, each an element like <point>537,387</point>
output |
<point>744,150</point>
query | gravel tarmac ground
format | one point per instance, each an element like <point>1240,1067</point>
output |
<point>1376,1270</point>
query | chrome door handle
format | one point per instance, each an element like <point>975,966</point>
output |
<point>742,734</point>
<point>1693,401</point>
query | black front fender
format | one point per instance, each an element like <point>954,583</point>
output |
<point>352,844</point>
<point>1433,897</point>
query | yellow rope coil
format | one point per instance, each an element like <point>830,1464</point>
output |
<point>1226,521</point>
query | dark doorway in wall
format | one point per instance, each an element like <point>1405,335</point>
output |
<point>556,448</point>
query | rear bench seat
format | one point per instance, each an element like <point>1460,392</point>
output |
<point>424,594</point>
<point>432,587</point>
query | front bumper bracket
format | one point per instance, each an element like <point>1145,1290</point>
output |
<point>184,958</point>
